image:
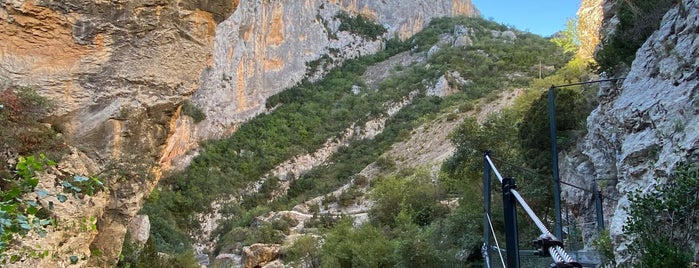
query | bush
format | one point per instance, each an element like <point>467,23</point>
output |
<point>571,112</point>
<point>603,245</point>
<point>191,110</point>
<point>305,250</point>
<point>20,111</point>
<point>662,223</point>
<point>22,214</point>
<point>360,25</point>
<point>366,246</point>
<point>417,193</point>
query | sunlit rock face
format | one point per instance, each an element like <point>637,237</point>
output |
<point>590,15</point>
<point>118,73</point>
<point>643,129</point>
<point>264,48</point>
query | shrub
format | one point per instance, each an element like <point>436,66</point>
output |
<point>360,25</point>
<point>662,223</point>
<point>366,246</point>
<point>20,110</point>
<point>191,110</point>
<point>20,215</point>
<point>603,245</point>
<point>417,193</point>
<point>571,111</point>
<point>304,250</point>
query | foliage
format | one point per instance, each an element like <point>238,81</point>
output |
<point>360,25</point>
<point>662,223</point>
<point>603,245</point>
<point>638,19</point>
<point>394,194</point>
<point>366,246</point>
<point>17,214</point>
<point>147,257</point>
<point>21,103</point>
<point>311,113</point>
<point>193,111</point>
<point>571,111</point>
<point>22,212</point>
<point>304,251</point>
<point>568,39</point>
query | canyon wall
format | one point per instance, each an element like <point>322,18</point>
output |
<point>119,72</point>
<point>644,127</point>
<point>265,47</point>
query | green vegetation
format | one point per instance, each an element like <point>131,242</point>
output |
<point>146,256</point>
<point>662,223</point>
<point>191,110</point>
<point>568,39</point>
<point>414,194</point>
<point>409,228</point>
<point>637,21</point>
<point>24,207</point>
<point>360,25</point>
<point>22,213</point>
<point>603,245</point>
<point>571,112</point>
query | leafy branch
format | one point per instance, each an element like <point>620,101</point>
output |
<point>21,214</point>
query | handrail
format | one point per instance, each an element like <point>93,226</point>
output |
<point>497,173</point>
<point>547,241</point>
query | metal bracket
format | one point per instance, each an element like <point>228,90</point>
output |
<point>544,242</point>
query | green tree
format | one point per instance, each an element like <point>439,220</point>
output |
<point>534,131</point>
<point>568,39</point>
<point>416,193</point>
<point>365,246</point>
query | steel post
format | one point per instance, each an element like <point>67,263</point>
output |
<point>558,230</point>
<point>486,208</point>
<point>509,204</point>
<point>598,206</point>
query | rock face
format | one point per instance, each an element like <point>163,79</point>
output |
<point>265,47</point>
<point>120,70</point>
<point>643,130</point>
<point>139,228</point>
<point>589,20</point>
<point>117,72</point>
<point>257,255</point>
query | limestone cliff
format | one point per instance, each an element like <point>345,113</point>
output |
<point>265,47</point>
<point>643,129</point>
<point>589,20</point>
<point>119,71</point>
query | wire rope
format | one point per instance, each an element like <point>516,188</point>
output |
<point>492,230</point>
<point>534,173</point>
<point>497,173</point>
<point>558,254</point>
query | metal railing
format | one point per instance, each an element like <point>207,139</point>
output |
<point>547,243</point>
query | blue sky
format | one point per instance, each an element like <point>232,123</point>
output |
<point>542,17</point>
